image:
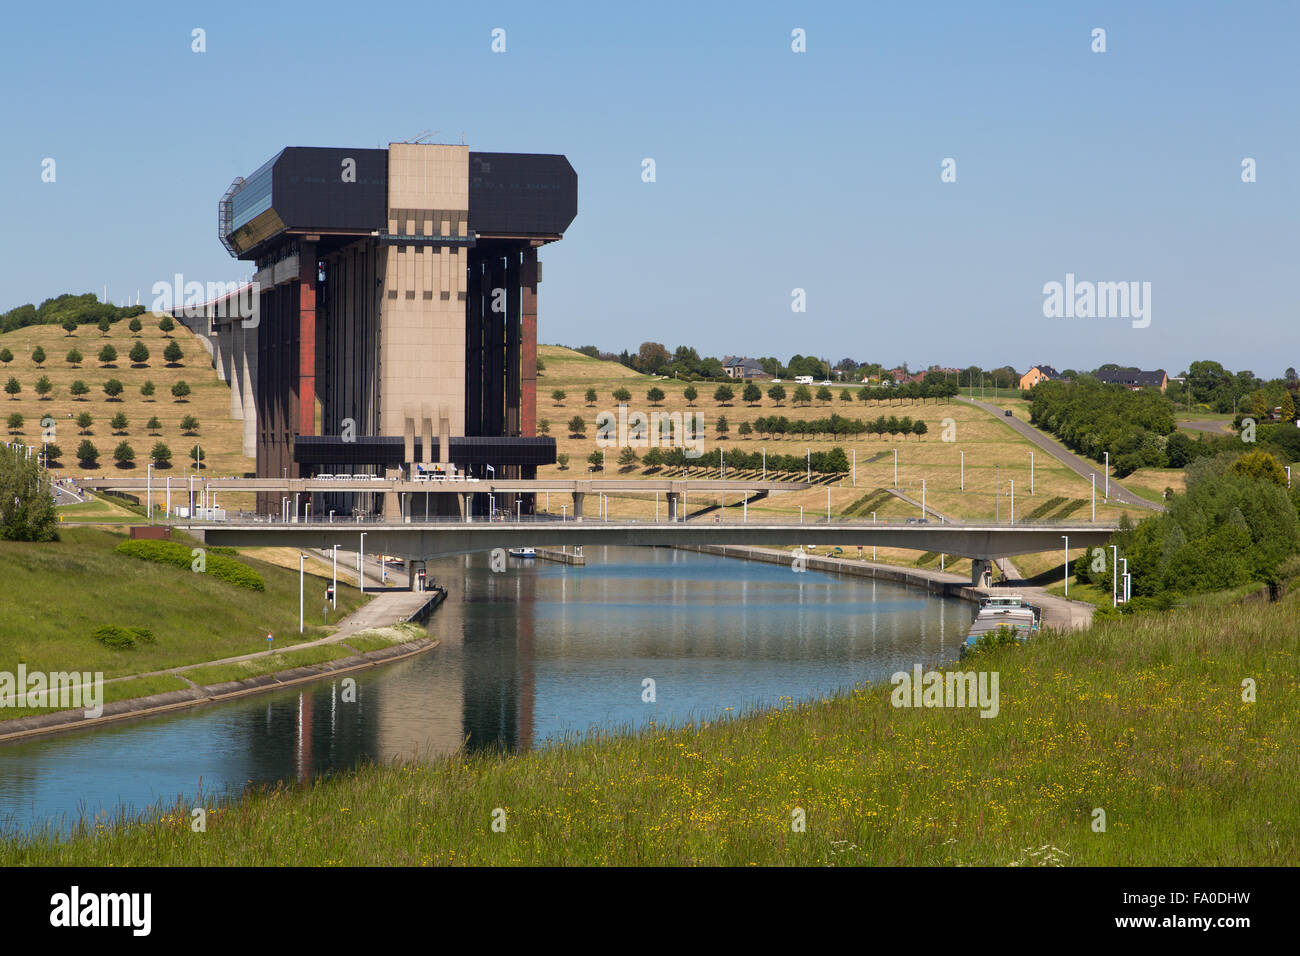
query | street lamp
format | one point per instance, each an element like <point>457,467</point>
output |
<point>148,493</point>
<point>1067,564</point>
<point>361,563</point>
<point>301,578</point>
<point>1107,494</point>
<point>1114,576</point>
<point>1092,478</point>
<point>335,591</point>
<point>873,547</point>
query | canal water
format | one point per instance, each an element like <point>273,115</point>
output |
<point>527,655</point>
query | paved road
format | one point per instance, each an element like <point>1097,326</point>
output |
<point>1080,466</point>
<point>1218,428</point>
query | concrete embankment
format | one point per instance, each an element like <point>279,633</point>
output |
<point>1057,612</point>
<point>400,607</point>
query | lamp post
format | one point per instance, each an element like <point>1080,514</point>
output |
<point>963,471</point>
<point>808,453</point>
<point>895,467</point>
<point>1124,577</point>
<point>1092,477</point>
<point>1013,500</point>
<point>301,578</point>
<point>1067,564</point>
<point>148,491</point>
<point>873,547</point>
<point>1031,474</point>
<point>922,498</point>
<point>1106,496</point>
<point>855,469</point>
<point>335,592</point>
<point>1114,576</point>
<point>361,563</point>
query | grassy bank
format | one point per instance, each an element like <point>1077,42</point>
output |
<point>1140,717</point>
<point>53,596</point>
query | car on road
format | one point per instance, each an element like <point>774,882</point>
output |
<point>1007,413</point>
<point>329,591</point>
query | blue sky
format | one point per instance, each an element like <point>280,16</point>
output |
<point>775,170</point>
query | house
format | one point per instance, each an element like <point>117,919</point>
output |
<point>738,366</point>
<point>1039,373</point>
<point>1134,379</point>
<point>902,378</point>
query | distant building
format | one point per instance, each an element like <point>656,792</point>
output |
<point>902,377</point>
<point>1039,373</point>
<point>738,366</point>
<point>1134,379</point>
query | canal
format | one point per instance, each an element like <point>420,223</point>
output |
<point>527,656</point>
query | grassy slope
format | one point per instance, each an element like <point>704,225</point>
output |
<point>209,400</point>
<point>53,596</point>
<point>1142,718</point>
<point>993,453</point>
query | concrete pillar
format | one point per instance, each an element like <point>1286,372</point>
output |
<point>231,349</point>
<point>247,358</point>
<point>413,576</point>
<point>979,567</point>
<point>528,344</point>
<point>577,505</point>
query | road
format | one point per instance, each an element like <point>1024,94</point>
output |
<point>1217,428</point>
<point>1080,466</point>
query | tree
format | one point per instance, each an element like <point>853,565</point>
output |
<point>13,388</point>
<point>824,395</point>
<point>15,423</point>
<point>690,394</point>
<point>107,355</point>
<point>745,429</point>
<point>154,425</point>
<point>723,394</point>
<point>596,460</point>
<point>87,453</point>
<point>1260,465</point>
<point>38,356</point>
<point>197,454</point>
<point>777,394</point>
<point>161,455</point>
<point>26,502</point>
<point>622,395</point>
<point>52,455</point>
<point>74,358</point>
<point>69,326</point>
<point>752,394</point>
<point>544,427</point>
<point>118,423</point>
<point>44,386</point>
<point>651,357</point>
<point>179,391</point>
<point>802,395</point>
<point>846,395</point>
<point>591,396</point>
<point>577,426</point>
<point>189,425</point>
<point>1288,407</point>
<point>104,325</point>
<point>147,389</point>
<point>541,366</point>
<point>722,427</point>
<point>113,388</point>
<point>135,326</point>
<point>1259,406</point>
<point>124,454</point>
<point>655,395</point>
<point>173,354</point>
<point>139,354</point>
<point>919,428</point>
<point>563,461</point>
<point>558,396</point>
<point>84,421</point>
<point>6,356</point>
<point>78,388</point>
<point>166,324</point>
<point>627,457</point>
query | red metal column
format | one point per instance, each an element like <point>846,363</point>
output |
<point>528,345</point>
<point>304,422</point>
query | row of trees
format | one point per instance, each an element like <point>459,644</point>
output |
<point>1093,419</point>
<point>1210,384</point>
<point>752,394</point>
<point>139,355</point>
<point>67,308</point>
<point>123,454</point>
<point>778,426</point>
<point>119,423</point>
<point>113,389</point>
<point>833,462</point>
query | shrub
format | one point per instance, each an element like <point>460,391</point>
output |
<point>189,425</point>
<point>38,356</point>
<point>107,355</point>
<point>123,638</point>
<point>179,555</point>
<point>135,326</point>
<point>139,353</point>
<point>173,353</point>
<point>179,391</point>
<point>74,357</point>
<point>166,324</point>
<point>147,389</point>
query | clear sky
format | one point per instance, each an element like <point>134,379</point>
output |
<point>775,170</point>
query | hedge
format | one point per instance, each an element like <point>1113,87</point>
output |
<point>123,638</point>
<point>180,555</point>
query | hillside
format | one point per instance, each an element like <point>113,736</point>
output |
<point>209,400</point>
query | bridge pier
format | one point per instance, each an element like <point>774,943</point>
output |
<point>980,570</point>
<point>415,575</point>
<point>577,505</point>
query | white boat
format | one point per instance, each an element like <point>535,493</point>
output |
<point>523,552</point>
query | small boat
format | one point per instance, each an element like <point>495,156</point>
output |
<point>523,552</point>
<point>1005,610</point>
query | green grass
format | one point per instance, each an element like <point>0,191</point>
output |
<point>1139,717</point>
<point>220,673</point>
<point>378,638</point>
<point>53,596</point>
